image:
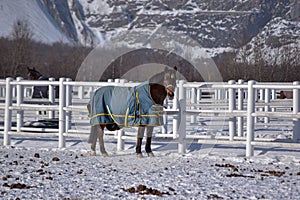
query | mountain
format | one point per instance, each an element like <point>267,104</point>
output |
<point>44,27</point>
<point>217,25</point>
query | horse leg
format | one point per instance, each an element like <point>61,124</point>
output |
<point>101,141</point>
<point>148,141</point>
<point>140,135</point>
<point>93,139</point>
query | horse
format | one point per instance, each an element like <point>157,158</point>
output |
<point>39,91</point>
<point>143,111</point>
<point>285,95</point>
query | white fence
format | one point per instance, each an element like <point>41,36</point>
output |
<point>242,107</point>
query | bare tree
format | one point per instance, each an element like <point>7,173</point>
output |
<point>258,61</point>
<point>21,51</point>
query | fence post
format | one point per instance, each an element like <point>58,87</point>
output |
<point>61,115</point>
<point>68,103</point>
<point>240,120</point>
<point>231,107</point>
<point>250,119</point>
<point>7,114</point>
<point>80,92</point>
<point>20,98</point>
<point>51,98</point>
<point>296,109</point>
<point>199,92</point>
<point>175,117</point>
<point>164,128</point>
<point>182,123</point>
<point>261,99</point>
<point>1,92</point>
<point>193,101</point>
<point>273,97</point>
<point>120,133</point>
<point>267,106</point>
<point>120,141</point>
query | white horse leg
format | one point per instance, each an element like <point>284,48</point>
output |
<point>93,139</point>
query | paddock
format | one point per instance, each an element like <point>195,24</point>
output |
<point>231,113</point>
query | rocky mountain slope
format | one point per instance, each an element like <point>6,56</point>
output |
<point>217,25</point>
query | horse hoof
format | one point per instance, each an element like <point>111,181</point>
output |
<point>139,155</point>
<point>105,154</point>
<point>93,153</point>
<point>151,154</point>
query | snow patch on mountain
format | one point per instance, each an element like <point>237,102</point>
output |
<point>43,26</point>
<point>218,26</point>
<point>278,42</point>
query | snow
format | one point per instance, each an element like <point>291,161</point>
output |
<point>43,26</point>
<point>204,172</point>
<point>277,37</point>
<point>97,7</point>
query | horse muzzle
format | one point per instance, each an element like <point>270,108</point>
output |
<point>170,93</point>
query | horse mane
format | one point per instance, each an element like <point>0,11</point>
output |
<point>159,78</point>
<point>33,72</point>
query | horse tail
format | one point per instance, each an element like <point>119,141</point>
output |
<point>89,108</point>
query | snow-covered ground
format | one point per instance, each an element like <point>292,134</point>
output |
<point>35,169</point>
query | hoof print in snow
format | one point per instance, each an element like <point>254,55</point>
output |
<point>276,173</point>
<point>214,196</point>
<point>234,168</point>
<point>36,155</point>
<point>49,178</point>
<point>55,159</point>
<point>144,190</point>
<point>41,172</point>
<point>18,186</point>
<point>130,190</point>
<point>239,175</point>
<point>5,178</point>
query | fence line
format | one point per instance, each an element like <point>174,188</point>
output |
<point>242,105</point>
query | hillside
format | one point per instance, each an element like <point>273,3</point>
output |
<point>245,27</point>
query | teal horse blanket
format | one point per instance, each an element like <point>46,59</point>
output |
<point>125,106</point>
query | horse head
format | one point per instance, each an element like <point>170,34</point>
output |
<point>167,79</point>
<point>33,74</point>
<point>170,81</point>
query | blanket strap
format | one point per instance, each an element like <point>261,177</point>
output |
<point>126,117</point>
<point>111,115</point>
<point>138,102</point>
<point>115,121</point>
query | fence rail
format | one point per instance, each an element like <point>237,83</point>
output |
<point>242,106</point>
